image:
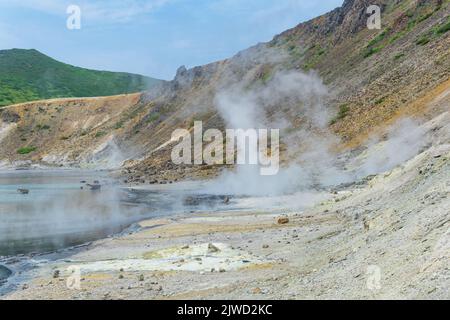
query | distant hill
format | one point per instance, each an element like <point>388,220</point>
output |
<point>27,75</point>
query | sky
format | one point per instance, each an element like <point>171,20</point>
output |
<point>150,37</point>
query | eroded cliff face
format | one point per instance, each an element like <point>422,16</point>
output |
<point>373,78</point>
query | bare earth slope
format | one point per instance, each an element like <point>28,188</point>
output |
<point>63,131</point>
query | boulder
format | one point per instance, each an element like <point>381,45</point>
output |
<point>283,220</point>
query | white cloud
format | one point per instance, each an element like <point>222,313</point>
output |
<point>48,6</point>
<point>274,16</point>
<point>103,11</point>
<point>120,10</point>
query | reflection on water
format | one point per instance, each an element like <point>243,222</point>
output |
<point>57,213</point>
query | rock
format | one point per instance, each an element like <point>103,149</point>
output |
<point>257,291</point>
<point>212,248</point>
<point>23,191</point>
<point>266,246</point>
<point>181,71</point>
<point>9,116</point>
<point>95,186</point>
<point>56,274</point>
<point>283,220</point>
<point>121,276</point>
<point>190,201</point>
<point>366,225</point>
<point>141,278</point>
<point>222,270</point>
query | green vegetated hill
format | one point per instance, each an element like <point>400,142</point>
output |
<point>27,75</point>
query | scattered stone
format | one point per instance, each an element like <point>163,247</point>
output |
<point>366,225</point>
<point>266,246</point>
<point>212,248</point>
<point>222,270</point>
<point>283,220</point>
<point>257,291</point>
<point>23,191</point>
<point>141,278</point>
<point>56,274</point>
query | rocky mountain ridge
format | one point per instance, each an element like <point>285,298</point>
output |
<point>373,78</point>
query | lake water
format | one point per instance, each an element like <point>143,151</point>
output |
<point>61,211</point>
<point>57,213</point>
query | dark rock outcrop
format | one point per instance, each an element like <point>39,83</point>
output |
<point>9,116</point>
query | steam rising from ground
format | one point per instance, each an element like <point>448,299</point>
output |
<point>312,163</point>
<point>57,213</point>
<point>108,155</point>
<point>404,141</point>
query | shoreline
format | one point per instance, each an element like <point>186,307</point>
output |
<point>326,251</point>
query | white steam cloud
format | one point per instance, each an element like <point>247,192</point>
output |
<point>404,141</point>
<point>264,106</point>
<point>312,162</point>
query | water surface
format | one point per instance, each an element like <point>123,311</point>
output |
<point>60,210</point>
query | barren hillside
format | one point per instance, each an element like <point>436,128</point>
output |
<point>373,77</point>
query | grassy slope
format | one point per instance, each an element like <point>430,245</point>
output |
<point>27,75</point>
